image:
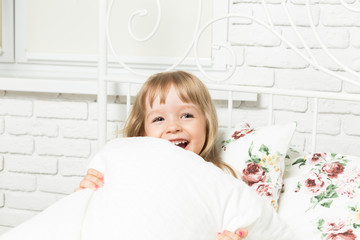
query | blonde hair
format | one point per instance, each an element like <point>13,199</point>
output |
<point>190,89</point>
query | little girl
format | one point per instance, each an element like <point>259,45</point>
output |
<point>175,106</point>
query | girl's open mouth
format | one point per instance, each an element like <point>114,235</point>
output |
<point>183,144</point>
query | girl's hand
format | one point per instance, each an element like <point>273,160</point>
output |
<point>227,235</point>
<point>93,180</point>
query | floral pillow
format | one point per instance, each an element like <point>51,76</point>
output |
<point>323,201</point>
<point>257,156</point>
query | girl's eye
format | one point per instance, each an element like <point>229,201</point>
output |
<point>187,115</point>
<point>158,119</point>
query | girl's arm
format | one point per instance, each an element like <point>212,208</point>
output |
<point>93,180</point>
<point>239,234</point>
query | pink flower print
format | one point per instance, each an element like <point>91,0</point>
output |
<point>243,132</point>
<point>334,225</point>
<point>264,190</point>
<point>315,158</point>
<point>333,169</point>
<point>253,173</point>
<point>346,189</point>
<point>348,235</point>
<point>314,183</point>
<point>352,174</point>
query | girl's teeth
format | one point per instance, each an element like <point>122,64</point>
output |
<point>181,144</point>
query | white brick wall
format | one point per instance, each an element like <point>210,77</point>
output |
<point>298,13</point>
<point>251,76</point>
<point>1,162</point>
<point>307,79</point>
<point>29,201</point>
<point>32,164</point>
<point>349,57</point>
<point>332,38</point>
<point>46,143</point>
<point>16,144</point>
<point>296,104</point>
<point>249,35</point>
<point>355,38</point>
<point>18,182</point>
<point>47,139</point>
<point>2,199</point>
<point>335,16</point>
<point>351,125</point>
<point>73,166</point>
<point>343,107</point>
<point>13,217</point>
<point>273,58</point>
<point>1,126</point>
<point>63,147</point>
<point>27,126</point>
<point>15,107</point>
<point>63,110</point>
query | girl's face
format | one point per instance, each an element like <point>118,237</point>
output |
<point>181,123</point>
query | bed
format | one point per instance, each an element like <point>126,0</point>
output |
<point>316,192</point>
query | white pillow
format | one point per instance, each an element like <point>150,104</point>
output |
<point>322,196</point>
<point>257,156</point>
<point>157,191</point>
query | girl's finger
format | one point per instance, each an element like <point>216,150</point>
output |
<point>232,235</point>
<point>94,179</point>
<point>223,236</point>
<point>227,235</point>
<point>241,232</point>
<point>88,184</point>
<point>95,173</point>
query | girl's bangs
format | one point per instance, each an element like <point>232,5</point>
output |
<point>162,88</point>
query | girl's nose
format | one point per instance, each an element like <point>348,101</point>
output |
<point>173,127</point>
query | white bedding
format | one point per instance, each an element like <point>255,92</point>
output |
<point>155,190</point>
<point>321,198</point>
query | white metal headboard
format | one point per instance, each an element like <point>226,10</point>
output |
<point>105,41</point>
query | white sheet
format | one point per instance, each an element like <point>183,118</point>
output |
<point>155,190</point>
